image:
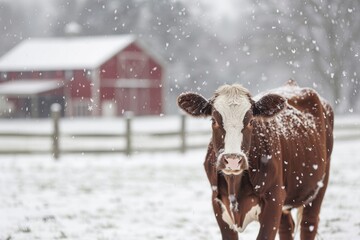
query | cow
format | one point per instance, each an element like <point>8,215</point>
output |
<point>267,155</point>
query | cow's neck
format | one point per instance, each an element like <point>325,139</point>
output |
<point>243,203</point>
<point>262,154</point>
<point>234,188</point>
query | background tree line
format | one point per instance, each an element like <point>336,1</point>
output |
<point>315,42</point>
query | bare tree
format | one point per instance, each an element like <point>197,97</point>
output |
<point>318,39</point>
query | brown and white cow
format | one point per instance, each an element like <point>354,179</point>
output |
<point>267,155</point>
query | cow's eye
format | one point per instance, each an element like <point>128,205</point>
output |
<point>250,124</point>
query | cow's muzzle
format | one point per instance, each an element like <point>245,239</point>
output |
<point>233,163</point>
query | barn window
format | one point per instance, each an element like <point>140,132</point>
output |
<point>48,74</point>
<point>69,75</point>
<point>82,108</point>
<point>133,65</point>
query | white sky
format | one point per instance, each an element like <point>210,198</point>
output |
<point>218,10</point>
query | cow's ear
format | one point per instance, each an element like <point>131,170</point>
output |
<point>269,105</point>
<point>194,104</point>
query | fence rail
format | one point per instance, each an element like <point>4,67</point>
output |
<point>126,136</point>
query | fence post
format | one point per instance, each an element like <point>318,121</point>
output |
<point>183,133</point>
<point>55,115</point>
<point>128,122</point>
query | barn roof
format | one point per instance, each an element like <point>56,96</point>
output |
<point>67,53</point>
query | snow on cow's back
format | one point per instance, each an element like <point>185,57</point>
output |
<point>293,120</point>
<point>291,123</point>
<point>288,91</point>
<point>292,90</point>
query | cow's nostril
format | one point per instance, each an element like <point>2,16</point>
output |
<point>233,162</point>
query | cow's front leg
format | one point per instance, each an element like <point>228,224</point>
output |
<point>270,216</point>
<point>220,213</point>
<point>287,226</point>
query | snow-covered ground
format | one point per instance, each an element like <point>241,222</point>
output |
<point>146,196</point>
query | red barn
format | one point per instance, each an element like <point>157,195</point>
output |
<point>97,76</point>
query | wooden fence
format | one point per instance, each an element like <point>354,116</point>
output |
<point>129,140</point>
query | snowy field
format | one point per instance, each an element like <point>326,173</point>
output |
<point>146,196</point>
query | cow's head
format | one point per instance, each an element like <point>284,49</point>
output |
<point>232,111</point>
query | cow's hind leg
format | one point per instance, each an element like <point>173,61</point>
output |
<point>309,223</point>
<point>311,212</point>
<point>287,226</point>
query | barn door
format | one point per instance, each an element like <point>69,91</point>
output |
<point>136,100</point>
<point>133,95</point>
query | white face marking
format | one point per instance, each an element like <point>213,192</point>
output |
<point>232,103</point>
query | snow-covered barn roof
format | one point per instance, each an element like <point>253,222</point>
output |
<point>68,53</point>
